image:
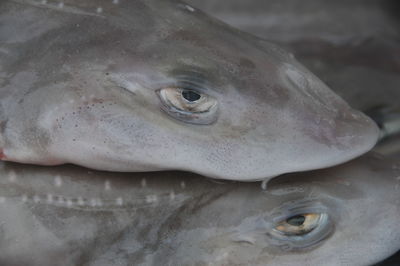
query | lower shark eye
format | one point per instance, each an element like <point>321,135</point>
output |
<point>188,105</point>
<point>299,224</point>
<point>297,220</point>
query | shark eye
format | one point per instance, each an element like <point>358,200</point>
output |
<point>187,100</point>
<point>188,105</point>
<point>190,96</point>
<point>299,224</point>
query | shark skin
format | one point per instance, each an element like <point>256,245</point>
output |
<point>355,53</point>
<point>157,85</point>
<point>69,215</point>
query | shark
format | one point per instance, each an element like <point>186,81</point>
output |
<point>151,85</point>
<point>70,215</point>
<point>349,57</point>
<point>338,54</point>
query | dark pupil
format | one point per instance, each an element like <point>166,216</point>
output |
<point>296,220</point>
<point>190,96</point>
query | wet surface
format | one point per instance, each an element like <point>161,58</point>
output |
<point>85,217</point>
<point>353,46</point>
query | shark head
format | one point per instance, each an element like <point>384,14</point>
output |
<point>347,214</point>
<point>159,85</point>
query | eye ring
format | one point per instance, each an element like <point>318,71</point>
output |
<point>301,236</point>
<point>188,105</point>
<point>300,224</point>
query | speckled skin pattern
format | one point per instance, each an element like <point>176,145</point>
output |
<point>78,83</point>
<point>67,215</point>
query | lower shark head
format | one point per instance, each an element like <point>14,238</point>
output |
<point>346,214</point>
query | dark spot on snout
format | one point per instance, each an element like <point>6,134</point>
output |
<point>187,36</point>
<point>282,93</point>
<point>246,63</point>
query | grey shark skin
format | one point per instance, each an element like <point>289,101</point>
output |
<point>158,85</point>
<point>67,215</point>
<point>355,53</point>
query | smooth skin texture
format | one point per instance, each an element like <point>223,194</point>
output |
<point>102,84</point>
<point>76,216</point>
<point>352,46</point>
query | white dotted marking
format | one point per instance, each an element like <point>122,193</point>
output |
<point>58,181</point>
<point>12,176</point>
<point>119,201</point>
<point>343,182</point>
<point>2,200</point>
<point>191,9</point>
<point>99,202</point>
<point>36,199</point>
<point>264,184</point>
<point>151,198</point>
<point>99,10</point>
<point>144,182</point>
<point>172,195</point>
<point>148,199</point>
<point>49,198</point>
<point>81,201</point>
<point>61,5</point>
<point>107,185</point>
<point>60,200</point>
<point>96,202</point>
<point>69,203</point>
<point>93,202</point>
<point>24,198</point>
<point>183,185</point>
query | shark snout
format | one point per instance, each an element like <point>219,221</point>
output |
<point>349,134</point>
<point>334,136</point>
<point>359,132</point>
